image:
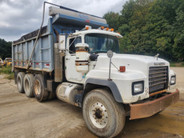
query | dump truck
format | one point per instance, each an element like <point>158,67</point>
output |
<point>76,58</point>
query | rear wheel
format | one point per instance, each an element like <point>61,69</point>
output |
<point>28,85</point>
<point>20,81</point>
<point>15,76</point>
<point>102,114</point>
<point>39,88</point>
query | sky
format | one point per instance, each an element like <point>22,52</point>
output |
<point>18,17</point>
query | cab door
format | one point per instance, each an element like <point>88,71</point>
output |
<point>70,68</point>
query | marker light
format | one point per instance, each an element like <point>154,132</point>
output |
<point>106,29</point>
<point>112,30</point>
<point>122,69</point>
<point>102,27</point>
<point>87,28</point>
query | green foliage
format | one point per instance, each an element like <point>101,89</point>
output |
<point>112,19</point>
<point>5,49</point>
<point>7,70</point>
<point>150,27</point>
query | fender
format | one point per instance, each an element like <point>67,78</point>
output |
<point>108,83</point>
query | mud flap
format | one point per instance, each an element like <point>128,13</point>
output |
<point>148,109</point>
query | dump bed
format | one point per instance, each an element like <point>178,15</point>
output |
<point>62,21</point>
<point>43,54</point>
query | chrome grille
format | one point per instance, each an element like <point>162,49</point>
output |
<point>158,78</point>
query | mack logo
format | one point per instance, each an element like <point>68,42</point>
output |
<point>159,63</point>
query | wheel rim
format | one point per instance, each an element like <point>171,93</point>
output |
<point>26,85</point>
<point>37,87</point>
<point>98,115</point>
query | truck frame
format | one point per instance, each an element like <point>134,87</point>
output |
<point>76,59</point>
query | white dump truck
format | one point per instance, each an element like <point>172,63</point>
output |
<point>76,58</point>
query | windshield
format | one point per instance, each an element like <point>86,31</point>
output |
<point>102,43</point>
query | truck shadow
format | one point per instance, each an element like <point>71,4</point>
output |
<point>160,125</point>
<point>165,124</point>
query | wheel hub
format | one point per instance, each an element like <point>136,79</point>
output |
<point>98,115</point>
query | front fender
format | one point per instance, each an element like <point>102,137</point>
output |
<point>107,83</point>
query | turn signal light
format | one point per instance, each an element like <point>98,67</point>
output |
<point>122,69</point>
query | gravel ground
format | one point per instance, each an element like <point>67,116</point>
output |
<point>22,117</point>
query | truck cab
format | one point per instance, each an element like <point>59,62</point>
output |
<point>97,41</point>
<point>144,75</point>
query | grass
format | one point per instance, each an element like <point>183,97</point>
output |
<point>7,70</point>
<point>177,64</point>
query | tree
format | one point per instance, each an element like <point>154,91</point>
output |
<point>150,27</point>
<point>112,19</point>
<point>5,49</point>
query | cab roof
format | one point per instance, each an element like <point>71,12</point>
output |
<point>97,31</point>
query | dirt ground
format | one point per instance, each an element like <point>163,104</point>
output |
<point>22,117</point>
<point>179,80</point>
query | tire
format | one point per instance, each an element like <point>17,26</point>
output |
<point>102,114</point>
<point>28,85</point>
<point>15,76</point>
<point>20,81</point>
<point>39,88</point>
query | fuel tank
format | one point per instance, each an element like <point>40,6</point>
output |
<point>66,92</point>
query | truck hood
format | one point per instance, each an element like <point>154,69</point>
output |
<point>131,62</point>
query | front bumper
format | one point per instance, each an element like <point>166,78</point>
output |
<point>150,108</point>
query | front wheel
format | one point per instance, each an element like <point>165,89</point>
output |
<point>102,114</point>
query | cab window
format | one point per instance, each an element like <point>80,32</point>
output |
<point>72,43</point>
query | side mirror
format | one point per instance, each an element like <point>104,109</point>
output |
<point>109,53</point>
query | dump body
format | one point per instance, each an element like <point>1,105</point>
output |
<point>62,22</point>
<point>43,54</point>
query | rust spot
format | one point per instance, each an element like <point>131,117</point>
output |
<point>150,108</point>
<point>155,93</point>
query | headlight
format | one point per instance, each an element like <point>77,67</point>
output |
<point>173,80</point>
<point>137,87</point>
